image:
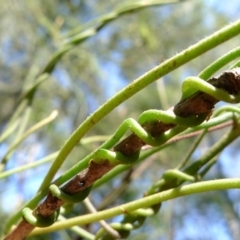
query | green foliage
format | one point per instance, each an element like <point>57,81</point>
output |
<point>73,56</point>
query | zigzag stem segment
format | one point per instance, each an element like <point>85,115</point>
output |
<point>154,127</point>
<point>198,104</point>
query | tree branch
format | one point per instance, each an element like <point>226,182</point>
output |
<point>199,103</point>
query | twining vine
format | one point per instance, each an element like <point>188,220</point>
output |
<point>154,127</point>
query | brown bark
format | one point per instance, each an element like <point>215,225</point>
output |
<point>197,104</point>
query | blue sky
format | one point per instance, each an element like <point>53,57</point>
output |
<point>30,188</point>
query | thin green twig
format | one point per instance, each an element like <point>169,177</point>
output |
<point>38,125</point>
<point>205,186</point>
<point>219,63</point>
<point>192,52</point>
<point>80,231</point>
<point>178,60</point>
<point>46,159</point>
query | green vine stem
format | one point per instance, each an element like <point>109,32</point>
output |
<point>178,60</point>
<point>140,83</point>
<point>201,162</point>
<point>236,64</point>
<point>68,44</point>
<point>205,160</point>
<point>204,186</point>
<point>145,154</point>
<point>219,63</point>
<point>80,231</point>
<point>174,178</point>
<point>105,160</point>
<point>154,115</point>
<point>212,124</point>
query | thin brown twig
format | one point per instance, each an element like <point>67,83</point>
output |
<point>197,104</point>
<point>194,134</point>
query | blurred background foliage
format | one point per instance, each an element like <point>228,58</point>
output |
<point>31,32</point>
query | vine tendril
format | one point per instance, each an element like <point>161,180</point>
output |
<point>38,220</point>
<point>169,123</point>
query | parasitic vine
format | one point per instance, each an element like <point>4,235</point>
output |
<point>154,127</point>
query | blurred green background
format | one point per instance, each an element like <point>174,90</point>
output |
<point>31,32</point>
